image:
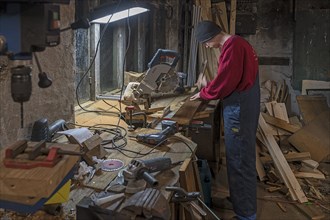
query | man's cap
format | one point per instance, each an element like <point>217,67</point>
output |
<point>206,30</point>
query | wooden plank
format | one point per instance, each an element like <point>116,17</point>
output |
<point>190,181</point>
<point>314,85</point>
<point>233,4</point>
<point>311,106</point>
<point>310,211</point>
<point>110,111</point>
<point>260,168</point>
<point>187,176</point>
<point>280,123</point>
<point>186,112</point>
<point>205,9</point>
<point>281,164</point>
<point>220,12</point>
<point>310,163</point>
<point>270,110</point>
<point>314,137</point>
<point>293,156</point>
<point>280,111</point>
<point>316,174</point>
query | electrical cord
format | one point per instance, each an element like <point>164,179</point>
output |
<point>180,139</point>
<point>124,63</point>
<point>139,154</point>
<point>118,135</point>
<point>117,132</point>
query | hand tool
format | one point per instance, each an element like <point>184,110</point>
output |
<point>168,128</point>
<point>145,204</point>
<point>41,130</point>
<point>30,154</point>
<point>142,169</point>
<point>182,196</point>
<point>108,199</point>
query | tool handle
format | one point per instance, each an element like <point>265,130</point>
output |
<point>161,54</point>
<point>149,179</point>
<point>55,127</point>
<point>153,139</point>
<point>157,164</point>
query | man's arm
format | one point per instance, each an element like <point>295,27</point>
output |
<point>229,73</point>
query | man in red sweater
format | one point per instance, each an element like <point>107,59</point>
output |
<point>237,85</point>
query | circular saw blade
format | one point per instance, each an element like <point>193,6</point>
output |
<point>112,165</point>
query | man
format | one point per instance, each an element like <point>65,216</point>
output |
<point>237,85</point>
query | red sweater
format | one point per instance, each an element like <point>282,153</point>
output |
<point>237,71</point>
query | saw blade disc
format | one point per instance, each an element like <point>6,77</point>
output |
<point>112,165</point>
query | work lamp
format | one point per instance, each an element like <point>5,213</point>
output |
<point>118,11</point>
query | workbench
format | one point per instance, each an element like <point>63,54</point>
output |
<point>178,149</point>
<point>175,149</point>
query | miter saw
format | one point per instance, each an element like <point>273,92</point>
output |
<point>159,80</point>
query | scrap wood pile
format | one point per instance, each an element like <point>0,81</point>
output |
<point>292,154</point>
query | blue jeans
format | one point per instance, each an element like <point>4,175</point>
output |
<point>241,113</point>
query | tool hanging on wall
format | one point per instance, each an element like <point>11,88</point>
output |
<point>44,81</point>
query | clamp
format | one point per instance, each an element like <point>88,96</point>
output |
<point>181,195</point>
<point>188,198</point>
<point>130,110</point>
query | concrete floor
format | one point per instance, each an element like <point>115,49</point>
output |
<point>267,210</point>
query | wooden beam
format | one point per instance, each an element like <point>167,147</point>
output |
<point>186,112</point>
<point>220,15</point>
<point>260,168</point>
<point>233,4</point>
<point>280,123</point>
<point>293,156</point>
<point>316,174</point>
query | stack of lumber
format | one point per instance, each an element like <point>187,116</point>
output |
<point>216,12</point>
<point>290,150</point>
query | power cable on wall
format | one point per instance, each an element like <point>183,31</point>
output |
<point>89,68</point>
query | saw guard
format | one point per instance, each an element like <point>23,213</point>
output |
<point>158,79</point>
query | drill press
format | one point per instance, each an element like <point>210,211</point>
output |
<point>21,86</point>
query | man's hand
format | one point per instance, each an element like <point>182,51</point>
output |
<point>194,97</point>
<point>202,81</point>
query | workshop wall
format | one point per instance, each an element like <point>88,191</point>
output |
<point>53,103</point>
<point>273,41</point>
<point>291,42</point>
